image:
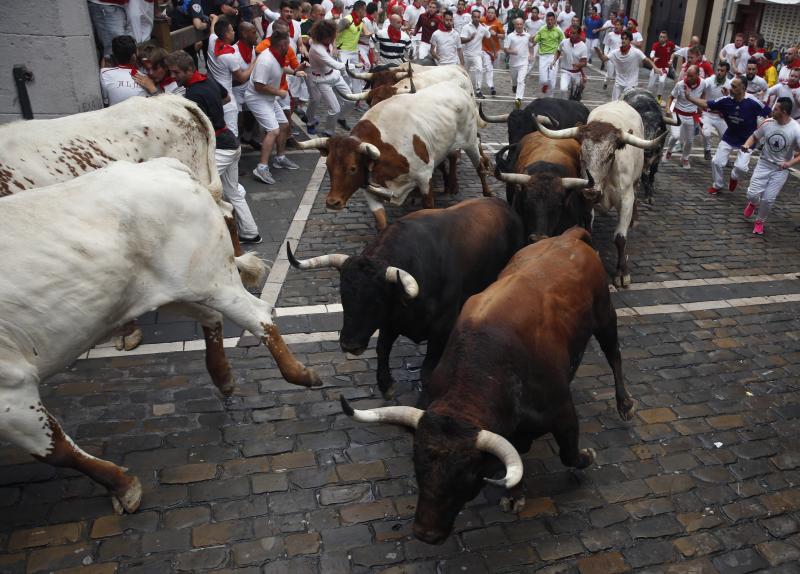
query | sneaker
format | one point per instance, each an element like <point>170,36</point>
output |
<point>343,124</point>
<point>326,134</point>
<point>758,228</point>
<point>685,164</point>
<point>518,103</point>
<point>749,210</point>
<point>250,240</point>
<point>732,183</point>
<point>605,85</point>
<point>660,99</point>
<point>281,161</point>
<point>311,129</point>
<point>707,154</point>
<point>676,146</point>
<point>262,173</point>
<point>514,90</point>
<point>479,95</point>
<point>492,91</point>
<point>713,190</point>
<point>301,114</point>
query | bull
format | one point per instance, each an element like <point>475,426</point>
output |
<point>412,82</point>
<point>413,278</point>
<point>560,113</point>
<point>504,378</point>
<point>385,75</point>
<point>612,144</point>
<point>397,144</point>
<point>654,123</point>
<point>547,181</point>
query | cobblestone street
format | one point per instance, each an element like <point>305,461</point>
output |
<point>276,479</point>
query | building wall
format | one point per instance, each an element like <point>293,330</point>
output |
<point>54,40</point>
<point>780,25</point>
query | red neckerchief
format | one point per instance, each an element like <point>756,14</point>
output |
<point>356,19</point>
<point>196,77</point>
<point>246,50</point>
<point>625,49</point>
<point>490,21</point>
<point>789,83</point>
<point>595,17</point>
<point>336,12</point>
<point>166,81</point>
<point>573,43</point>
<point>281,58</point>
<point>795,64</point>
<point>290,24</point>
<point>633,31</point>
<point>130,67</point>
<point>394,33</point>
<point>221,48</point>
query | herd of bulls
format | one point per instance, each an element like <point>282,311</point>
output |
<point>506,293</point>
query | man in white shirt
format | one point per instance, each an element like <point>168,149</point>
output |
<point>410,17</point>
<point>573,55</point>
<point>781,137</point>
<point>756,85</point>
<point>638,39</point>
<point>611,42</point>
<point>688,112</point>
<point>472,36</point>
<point>626,60</point>
<point>728,52</point>
<point>715,87</point>
<point>223,66</point>
<point>117,84</point>
<point>517,46</point>
<point>446,44</point>
<point>740,58</point>
<point>461,17</point>
<point>788,64</point>
<point>791,90</point>
<point>564,18</point>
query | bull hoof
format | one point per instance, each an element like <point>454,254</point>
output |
<point>626,407</point>
<point>512,504</point>
<point>389,392</point>
<point>128,342</point>
<point>586,457</point>
<point>309,378</point>
<point>226,388</point>
<point>129,500</point>
<point>622,281</point>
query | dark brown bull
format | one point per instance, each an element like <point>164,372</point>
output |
<point>504,378</point>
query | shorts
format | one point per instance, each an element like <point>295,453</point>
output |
<point>267,111</point>
<point>285,102</point>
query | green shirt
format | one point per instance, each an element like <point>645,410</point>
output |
<point>549,39</point>
<point>347,39</point>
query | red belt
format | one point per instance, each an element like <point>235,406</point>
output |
<point>220,130</point>
<point>695,115</point>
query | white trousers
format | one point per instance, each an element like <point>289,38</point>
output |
<point>740,166</point>
<point>424,50</point>
<point>233,192</point>
<point>712,121</point>
<point>363,55</point>
<point>547,77</point>
<point>611,72</point>
<point>297,88</point>
<point>619,90</point>
<point>765,185</point>
<point>230,112</point>
<point>518,74</point>
<point>488,69</point>
<point>657,76</point>
<point>474,65</point>
<point>568,81</point>
<point>355,84</point>
<point>321,89</point>
<point>415,41</point>
<point>683,133</point>
<point>592,43</point>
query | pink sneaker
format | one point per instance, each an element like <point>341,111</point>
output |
<point>749,210</point>
<point>713,190</point>
<point>758,228</point>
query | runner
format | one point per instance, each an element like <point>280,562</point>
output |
<point>756,85</point>
<point>626,60</point>
<point>791,90</point>
<point>573,54</point>
<point>491,46</point>
<point>548,38</point>
<point>661,54</point>
<point>611,42</point>
<point>518,46</point>
<point>592,25</point>
<point>687,110</point>
<point>446,44</point>
<point>472,36</point>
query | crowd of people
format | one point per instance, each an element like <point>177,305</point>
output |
<point>264,66</point>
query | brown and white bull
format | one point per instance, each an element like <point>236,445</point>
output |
<point>415,80</point>
<point>398,143</point>
<point>386,75</point>
<point>546,189</point>
<point>105,259</point>
<point>504,378</point>
<point>612,144</point>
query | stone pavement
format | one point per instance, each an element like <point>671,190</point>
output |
<point>277,480</point>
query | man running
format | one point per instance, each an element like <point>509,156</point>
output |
<point>548,38</point>
<point>574,56</point>
<point>686,108</point>
<point>756,85</point>
<point>661,54</point>
<point>517,46</point>
<point>491,46</point>
<point>626,61</point>
<point>446,44</point>
<point>611,42</point>
<point>716,87</point>
<point>472,36</point>
<point>791,90</point>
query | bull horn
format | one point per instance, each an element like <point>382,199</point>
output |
<point>396,275</point>
<point>501,119</point>
<point>401,76</point>
<point>406,416</point>
<point>565,134</point>
<point>380,192</point>
<point>573,182</point>
<point>314,143</point>
<point>672,121</point>
<point>641,142</point>
<point>413,88</point>
<point>366,76</point>
<point>518,178</point>
<point>370,150</point>
<point>546,121</point>
<point>497,445</point>
<point>357,97</point>
<point>332,260</point>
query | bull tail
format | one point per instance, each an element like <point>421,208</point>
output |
<point>212,180</point>
<point>252,269</point>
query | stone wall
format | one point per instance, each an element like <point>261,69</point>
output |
<point>54,40</point>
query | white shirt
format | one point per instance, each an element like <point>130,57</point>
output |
<point>783,75</point>
<point>447,45</point>
<point>473,47</point>
<point>564,20</point>
<point>320,60</point>
<point>521,44</point>
<point>780,142</point>
<point>757,85</point>
<point>571,55</point>
<point>728,52</point>
<point>742,55</point>
<point>267,71</point>
<point>679,95</point>
<point>784,91</point>
<point>328,5</point>
<point>533,26</point>
<point>712,90</point>
<point>613,41</point>
<point>294,38</point>
<point>626,66</point>
<point>637,38</point>
<point>461,20</point>
<point>222,67</point>
<point>411,15</point>
<point>117,85</point>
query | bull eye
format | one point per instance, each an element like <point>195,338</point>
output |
<point>352,169</point>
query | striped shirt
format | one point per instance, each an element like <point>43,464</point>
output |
<point>391,52</point>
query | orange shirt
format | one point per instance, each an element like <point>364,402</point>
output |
<point>492,44</point>
<point>291,60</point>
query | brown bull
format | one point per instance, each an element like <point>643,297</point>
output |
<point>504,378</point>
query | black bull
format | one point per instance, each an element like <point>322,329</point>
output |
<point>414,277</point>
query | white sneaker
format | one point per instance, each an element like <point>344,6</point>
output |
<point>284,162</point>
<point>262,172</point>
